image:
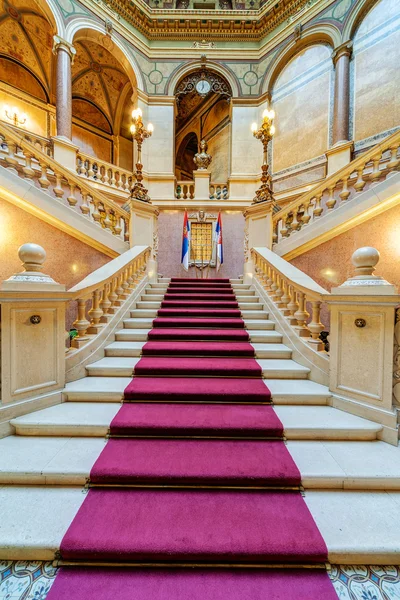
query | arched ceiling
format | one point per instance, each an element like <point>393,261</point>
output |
<point>27,41</point>
<point>98,78</point>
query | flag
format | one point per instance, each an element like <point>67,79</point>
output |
<point>185,242</point>
<point>218,241</point>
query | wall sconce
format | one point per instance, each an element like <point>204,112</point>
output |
<point>12,114</point>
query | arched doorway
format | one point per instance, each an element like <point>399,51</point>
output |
<point>203,102</point>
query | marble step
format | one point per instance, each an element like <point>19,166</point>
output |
<point>118,366</point>
<point>147,323</point>
<point>134,348</point>
<point>151,297</point>
<point>152,313</point>
<point>256,336</point>
<point>111,389</point>
<point>322,464</point>
<point>143,305</point>
<point>359,527</point>
<point>78,419</point>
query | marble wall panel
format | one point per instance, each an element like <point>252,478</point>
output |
<point>170,225</point>
<point>330,263</point>
<point>125,153</point>
<point>218,148</point>
<point>377,74</point>
<point>92,143</point>
<point>302,123</point>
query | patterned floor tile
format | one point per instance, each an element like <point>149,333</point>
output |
<point>22,580</point>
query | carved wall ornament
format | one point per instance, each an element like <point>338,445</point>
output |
<point>155,244</point>
<point>203,44</point>
<point>246,243</point>
<point>108,27</point>
<point>202,216</point>
<point>202,160</point>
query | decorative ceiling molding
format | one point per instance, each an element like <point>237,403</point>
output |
<point>192,25</point>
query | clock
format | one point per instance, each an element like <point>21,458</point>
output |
<point>203,87</point>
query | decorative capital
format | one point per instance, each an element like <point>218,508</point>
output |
<point>345,49</point>
<point>61,44</point>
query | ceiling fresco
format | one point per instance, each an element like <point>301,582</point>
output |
<point>98,78</point>
<point>27,39</point>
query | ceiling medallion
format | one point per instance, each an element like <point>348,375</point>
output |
<point>203,82</point>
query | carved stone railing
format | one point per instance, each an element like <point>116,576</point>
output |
<point>41,143</point>
<point>219,191</point>
<point>105,173</point>
<point>294,293</point>
<point>340,188</point>
<point>101,294</point>
<point>29,162</point>
<point>185,190</point>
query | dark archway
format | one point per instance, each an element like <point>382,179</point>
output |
<point>184,164</point>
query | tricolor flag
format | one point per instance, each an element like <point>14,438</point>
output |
<point>218,241</point>
<point>185,242</point>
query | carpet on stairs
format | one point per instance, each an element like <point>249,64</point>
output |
<point>197,474</point>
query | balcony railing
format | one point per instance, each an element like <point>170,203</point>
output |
<point>29,162</point>
<point>105,173</point>
<point>186,190</point>
<point>340,188</point>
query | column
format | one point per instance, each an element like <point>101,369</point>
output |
<point>341,61</point>
<point>65,53</point>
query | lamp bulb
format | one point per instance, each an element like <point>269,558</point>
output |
<point>272,129</point>
<point>254,127</point>
<point>150,127</point>
<point>272,114</point>
<point>265,114</point>
<point>133,129</point>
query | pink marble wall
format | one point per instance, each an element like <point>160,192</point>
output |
<point>330,263</point>
<point>170,245</point>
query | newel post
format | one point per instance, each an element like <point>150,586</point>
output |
<point>257,234</point>
<point>144,232</point>
<point>362,335</point>
<point>32,331</point>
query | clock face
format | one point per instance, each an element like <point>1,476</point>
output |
<point>203,87</point>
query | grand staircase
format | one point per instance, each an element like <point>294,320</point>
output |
<point>224,456</point>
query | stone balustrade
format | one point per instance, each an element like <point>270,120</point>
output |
<point>342,187</point>
<point>294,293</point>
<point>185,190</point>
<point>41,143</point>
<point>100,295</point>
<point>219,191</point>
<point>25,159</point>
<point>105,173</point>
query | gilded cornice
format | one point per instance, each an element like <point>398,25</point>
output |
<point>194,25</point>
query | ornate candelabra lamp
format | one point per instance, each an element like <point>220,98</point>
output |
<point>14,116</point>
<point>264,134</point>
<point>140,133</point>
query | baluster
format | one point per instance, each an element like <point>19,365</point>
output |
<point>192,192</point>
<point>270,280</point>
<point>394,162</point>
<point>360,183</point>
<point>85,208</point>
<point>278,292</point>
<point>301,315</point>
<point>96,216</point>
<point>107,220</point>
<point>106,179</point>
<point>285,299</point>
<point>105,303</point>
<point>305,219</point>
<point>90,171</point>
<point>376,172</point>
<point>71,199</point>
<point>330,203</point>
<point>131,280</point>
<point>345,193</point>
<point>119,290</point>
<point>293,306</point>
<point>295,225</point>
<point>43,181</point>
<point>113,296</point>
<point>126,228</point>
<point>127,184</point>
<point>81,168</point>
<point>318,210</point>
<point>120,184</point>
<point>284,230</point>
<point>58,189</point>
<point>81,324</point>
<point>95,313</point>
<point>315,326</point>
<point>113,180</point>
<point>275,236</point>
<point>274,285</point>
<point>117,226</point>
<point>11,159</point>
<point>27,169</point>
<point>125,284</point>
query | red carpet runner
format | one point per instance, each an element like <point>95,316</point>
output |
<point>196,474</point>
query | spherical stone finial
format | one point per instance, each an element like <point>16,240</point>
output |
<point>32,256</point>
<point>366,257</point>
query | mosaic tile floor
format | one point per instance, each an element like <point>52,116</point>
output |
<point>24,580</point>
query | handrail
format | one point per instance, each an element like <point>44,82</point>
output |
<point>107,287</point>
<point>292,291</point>
<point>103,211</point>
<point>323,198</point>
<point>101,171</point>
